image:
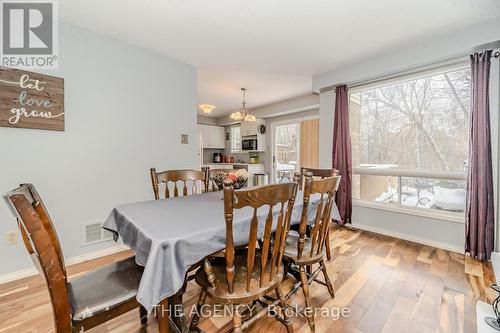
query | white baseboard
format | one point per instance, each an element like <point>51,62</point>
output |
<point>70,261</point>
<point>408,237</point>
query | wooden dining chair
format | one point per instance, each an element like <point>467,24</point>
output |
<point>246,275</point>
<point>319,173</point>
<point>173,177</point>
<point>170,180</point>
<point>305,251</point>
<point>87,300</point>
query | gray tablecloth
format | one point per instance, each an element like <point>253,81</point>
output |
<point>170,235</point>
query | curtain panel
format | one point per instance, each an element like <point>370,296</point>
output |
<point>341,154</point>
<point>480,223</point>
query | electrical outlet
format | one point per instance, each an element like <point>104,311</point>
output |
<point>184,138</point>
<point>11,237</point>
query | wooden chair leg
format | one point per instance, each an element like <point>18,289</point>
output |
<point>287,269</point>
<point>327,279</point>
<point>305,288</point>
<point>162,314</point>
<point>184,286</point>
<point>308,234</point>
<point>236,320</point>
<point>176,310</point>
<point>279,293</point>
<point>327,243</point>
<point>143,314</point>
<point>194,322</point>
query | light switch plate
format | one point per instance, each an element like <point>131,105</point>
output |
<point>184,138</point>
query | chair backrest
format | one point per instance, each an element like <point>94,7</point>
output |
<point>319,173</point>
<point>40,239</point>
<point>188,179</point>
<point>280,196</point>
<point>327,188</point>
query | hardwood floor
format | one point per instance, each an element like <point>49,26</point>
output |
<point>387,285</point>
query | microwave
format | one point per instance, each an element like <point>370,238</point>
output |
<point>249,144</point>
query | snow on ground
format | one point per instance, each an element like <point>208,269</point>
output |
<point>447,199</point>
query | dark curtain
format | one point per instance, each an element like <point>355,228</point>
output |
<point>341,154</point>
<point>479,226</point>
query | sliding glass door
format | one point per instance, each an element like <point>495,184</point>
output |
<point>295,145</point>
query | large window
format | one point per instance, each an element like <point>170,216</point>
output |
<point>410,141</point>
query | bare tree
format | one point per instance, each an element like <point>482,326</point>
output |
<point>417,123</point>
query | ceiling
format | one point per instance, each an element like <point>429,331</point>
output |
<point>223,89</point>
<point>271,47</point>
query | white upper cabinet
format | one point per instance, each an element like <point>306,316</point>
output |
<point>212,136</point>
<point>251,127</point>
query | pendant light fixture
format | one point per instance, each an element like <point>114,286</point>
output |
<point>243,114</point>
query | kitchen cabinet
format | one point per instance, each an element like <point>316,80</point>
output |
<point>251,127</point>
<point>212,136</point>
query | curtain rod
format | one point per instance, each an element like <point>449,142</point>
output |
<point>456,60</point>
<point>402,73</point>
<point>494,46</point>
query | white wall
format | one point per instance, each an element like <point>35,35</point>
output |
<point>207,120</point>
<point>426,52</point>
<point>125,110</point>
<point>326,107</point>
<point>406,57</point>
<point>444,234</point>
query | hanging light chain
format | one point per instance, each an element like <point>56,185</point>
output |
<point>243,114</point>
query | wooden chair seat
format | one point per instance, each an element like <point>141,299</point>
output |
<point>221,294</point>
<point>103,289</point>
<point>88,300</point>
<point>291,250</point>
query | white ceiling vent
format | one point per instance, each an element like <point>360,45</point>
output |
<point>92,232</point>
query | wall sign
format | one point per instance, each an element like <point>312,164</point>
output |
<point>31,100</point>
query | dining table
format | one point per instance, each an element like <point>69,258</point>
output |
<point>171,235</point>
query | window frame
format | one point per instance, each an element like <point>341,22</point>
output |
<point>231,129</point>
<point>400,173</point>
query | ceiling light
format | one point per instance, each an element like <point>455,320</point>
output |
<point>249,117</point>
<point>243,114</point>
<point>237,115</point>
<point>206,108</point>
